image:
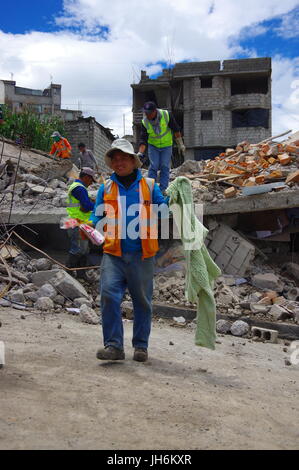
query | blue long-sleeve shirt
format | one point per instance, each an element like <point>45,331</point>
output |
<point>128,197</point>
<point>82,195</point>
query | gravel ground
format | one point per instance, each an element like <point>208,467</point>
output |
<point>54,394</point>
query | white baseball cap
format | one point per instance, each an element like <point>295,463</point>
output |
<point>124,146</point>
<point>56,134</point>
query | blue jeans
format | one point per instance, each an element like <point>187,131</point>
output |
<point>117,274</point>
<point>78,246</point>
<point>160,159</point>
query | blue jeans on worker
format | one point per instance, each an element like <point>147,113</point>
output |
<point>77,245</point>
<point>160,159</point>
<point>117,274</point>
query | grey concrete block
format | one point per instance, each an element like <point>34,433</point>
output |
<point>269,336</point>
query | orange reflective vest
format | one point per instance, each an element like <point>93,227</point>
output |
<point>148,229</point>
<point>61,149</point>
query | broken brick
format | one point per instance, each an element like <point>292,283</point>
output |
<point>230,192</point>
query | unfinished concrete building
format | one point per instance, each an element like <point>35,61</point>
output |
<point>216,104</point>
<point>44,102</point>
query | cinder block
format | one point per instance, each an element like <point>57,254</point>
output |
<point>269,336</point>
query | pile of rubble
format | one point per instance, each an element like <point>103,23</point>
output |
<point>247,169</point>
<point>264,296</point>
<point>45,287</point>
<point>31,190</point>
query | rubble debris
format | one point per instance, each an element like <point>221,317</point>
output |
<point>291,269</point>
<point>71,288</point>
<point>179,320</point>
<point>88,315</point>
<point>279,313</point>
<point>264,334</point>
<point>248,166</point>
<point>239,328</point>
<point>267,281</point>
<point>127,310</point>
<point>42,277</point>
<point>223,326</point>
<point>82,301</point>
<point>44,303</point>
<point>46,290</point>
<point>230,251</point>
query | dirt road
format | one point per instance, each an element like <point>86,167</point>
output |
<point>54,394</point>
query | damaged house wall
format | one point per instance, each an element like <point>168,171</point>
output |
<point>96,137</point>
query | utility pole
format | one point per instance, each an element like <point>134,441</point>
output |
<point>124,123</point>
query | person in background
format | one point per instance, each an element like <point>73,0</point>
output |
<point>80,207</point>
<point>61,147</point>
<point>87,159</point>
<point>156,133</point>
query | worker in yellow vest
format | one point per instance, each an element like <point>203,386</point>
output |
<point>156,133</point>
<point>124,212</point>
<point>80,207</point>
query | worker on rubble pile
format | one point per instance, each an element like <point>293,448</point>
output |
<point>124,208</point>
<point>61,147</point>
<point>156,133</point>
<point>80,207</point>
<point>87,158</point>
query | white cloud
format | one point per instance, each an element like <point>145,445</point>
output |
<point>98,72</point>
<point>285,94</point>
<point>289,27</point>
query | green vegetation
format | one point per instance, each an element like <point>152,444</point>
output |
<point>31,129</point>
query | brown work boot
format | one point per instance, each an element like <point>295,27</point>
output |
<point>140,355</point>
<point>109,353</point>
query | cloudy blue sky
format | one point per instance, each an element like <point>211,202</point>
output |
<point>96,48</point>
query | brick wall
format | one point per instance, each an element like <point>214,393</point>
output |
<point>92,134</point>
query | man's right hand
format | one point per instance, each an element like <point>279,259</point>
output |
<point>141,157</point>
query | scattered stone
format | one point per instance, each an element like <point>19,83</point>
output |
<point>223,326</point>
<point>171,343</point>
<point>42,277</point>
<point>267,281</point>
<point>279,313</point>
<point>291,268</point>
<point>127,310</point>
<point>32,296</point>
<point>180,320</point>
<point>5,303</point>
<point>293,294</point>
<point>38,190</point>
<point>42,264</point>
<point>88,315</point>
<point>59,299</point>
<point>279,301</point>
<point>17,296</point>
<point>44,304</point>
<point>259,308</point>
<point>47,290</point>
<point>287,362</point>
<point>189,166</point>
<point>71,288</point>
<point>82,301</point>
<point>239,328</point>
<point>54,183</point>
